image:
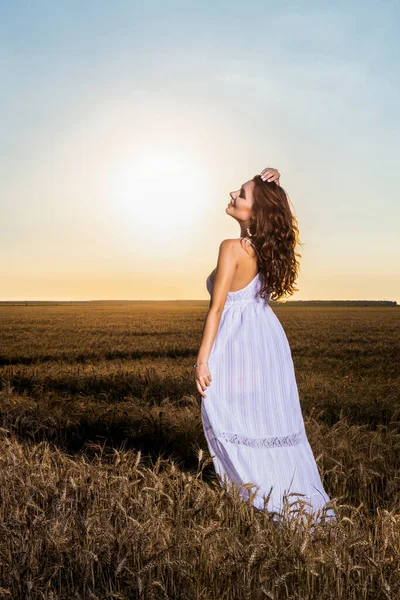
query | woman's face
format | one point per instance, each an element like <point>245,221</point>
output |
<point>241,204</point>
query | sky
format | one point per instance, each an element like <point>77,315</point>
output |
<point>125,125</point>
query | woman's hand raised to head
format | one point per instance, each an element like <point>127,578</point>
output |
<point>270,174</point>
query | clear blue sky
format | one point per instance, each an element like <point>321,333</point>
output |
<point>125,125</point>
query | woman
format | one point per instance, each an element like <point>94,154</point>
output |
<point>251,413</point>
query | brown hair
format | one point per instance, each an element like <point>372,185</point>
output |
<point>274,233</point>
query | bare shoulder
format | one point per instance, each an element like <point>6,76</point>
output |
<point>230,248</point>
<point>228,243</point>
<point>237,247</point>
<point>232,251</point>
<point>232,244</point>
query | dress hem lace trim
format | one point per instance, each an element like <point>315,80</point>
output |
<point>269,442</point>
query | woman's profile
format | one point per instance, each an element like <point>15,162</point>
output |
<point>244,371</point>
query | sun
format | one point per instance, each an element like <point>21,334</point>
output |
<point>158,192</point>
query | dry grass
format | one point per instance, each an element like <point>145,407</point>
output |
<point>107,488</point>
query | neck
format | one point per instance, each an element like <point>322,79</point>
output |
<point>243,227</point>
<point>243,232</point>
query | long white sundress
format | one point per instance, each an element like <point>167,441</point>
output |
<point>252,416</point>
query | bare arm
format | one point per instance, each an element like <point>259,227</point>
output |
<point>226,267</point>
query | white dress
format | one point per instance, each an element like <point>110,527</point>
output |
<point>252,417</point>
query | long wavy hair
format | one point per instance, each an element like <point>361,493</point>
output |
<point>274,232</point>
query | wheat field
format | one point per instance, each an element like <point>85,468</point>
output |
<point>107,487</point>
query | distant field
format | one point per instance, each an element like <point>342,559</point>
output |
<point>107,487</point>
<point>289,303</point>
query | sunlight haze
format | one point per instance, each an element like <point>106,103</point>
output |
<point>125,126</point>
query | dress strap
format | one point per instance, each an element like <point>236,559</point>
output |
<point>250,242</point>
